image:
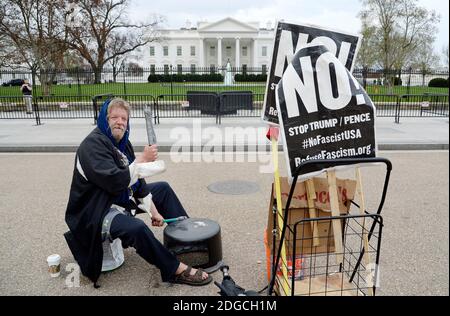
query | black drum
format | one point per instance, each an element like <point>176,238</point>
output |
<point>195,242</point>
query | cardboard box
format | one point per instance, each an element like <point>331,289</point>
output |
<point>299,211</point>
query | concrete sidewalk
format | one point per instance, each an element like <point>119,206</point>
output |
<point>234,134</point>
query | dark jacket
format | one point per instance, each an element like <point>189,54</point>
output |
<point>25,90</point>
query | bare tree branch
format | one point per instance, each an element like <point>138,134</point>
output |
<point>400,27</point>
<point>33,27</point>
<point>97,27</point>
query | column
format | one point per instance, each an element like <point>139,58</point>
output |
<point>238,54</point>
<point>219,52</point>
<point>201,57</point>
<point>255,53</point>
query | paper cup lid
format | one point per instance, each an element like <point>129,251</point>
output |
<point>55,258</point>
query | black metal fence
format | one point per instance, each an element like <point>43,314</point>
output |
<point>209,104</point>
<point>181,92</point>
<point>138,102</point>
<point>195,104</point>
<point>426,105</point>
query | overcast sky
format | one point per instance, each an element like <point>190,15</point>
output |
<point>330,13</point>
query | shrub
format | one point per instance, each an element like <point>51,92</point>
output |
<point>438,83</point>
<point>250,78</point>
<point>397,81</point>
<point>186,77</point>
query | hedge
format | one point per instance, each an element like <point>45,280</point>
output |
<point>186,77</point>
<point>250,78</point>
<point>438,83</point>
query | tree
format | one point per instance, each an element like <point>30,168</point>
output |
<point>400,27</point>
<point>368,55</point>
<point>445,56</point>
<point>33,28</point>
<point>117,43</point>
<point>7,54</point>
<point>77,71</point>
<point>417,28</point>
<point>425,60</point>
<point>97,31</point>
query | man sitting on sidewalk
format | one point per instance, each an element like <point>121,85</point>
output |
<point>108,179</point>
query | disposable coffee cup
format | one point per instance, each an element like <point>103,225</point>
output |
<point>54,265</point>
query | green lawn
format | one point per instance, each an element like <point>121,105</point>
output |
<point>400,90</point>
<point>156,89</point>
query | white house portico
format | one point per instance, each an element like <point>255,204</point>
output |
<point>214,44</point>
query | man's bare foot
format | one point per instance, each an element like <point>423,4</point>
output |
<point>182,267</point>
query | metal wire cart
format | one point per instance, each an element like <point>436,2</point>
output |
<point>315,251</point>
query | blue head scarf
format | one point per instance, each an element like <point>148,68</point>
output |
<point>102,124</point>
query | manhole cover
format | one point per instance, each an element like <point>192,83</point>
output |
<point>234,187</point>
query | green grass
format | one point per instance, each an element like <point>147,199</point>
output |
<point>156,89</point>
<point>400,90</point>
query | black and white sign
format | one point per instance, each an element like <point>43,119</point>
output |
<point>289,38</point>
<point>323,111</point>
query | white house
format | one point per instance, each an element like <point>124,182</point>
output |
<point>244,45</point>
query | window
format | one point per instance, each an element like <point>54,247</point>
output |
<point>212,51</point>
<point>244,51</point>
<point>166,50</point>
<point>192,50</point>
<point>179,69</point>
<point>192,68</point>
<point>264,69</point>
<point>212,69</point>
<point>228,51</point>
<point>166,69</point>
<point>152,69</point>
<point>179,51</point>
<point>152,50</point>
<point>264,51</point>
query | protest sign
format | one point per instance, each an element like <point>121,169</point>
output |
<point>289,38</point>
<point>323,111</point>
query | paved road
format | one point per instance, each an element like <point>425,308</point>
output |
<point>34,191</point>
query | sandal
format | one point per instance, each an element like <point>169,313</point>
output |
<point>185,277</point>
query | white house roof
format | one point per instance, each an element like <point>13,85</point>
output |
<point>225,26</point>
